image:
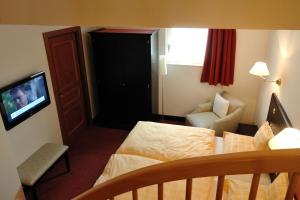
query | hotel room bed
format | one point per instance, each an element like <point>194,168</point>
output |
<point>152,144</point>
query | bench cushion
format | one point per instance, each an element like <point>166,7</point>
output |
<point>39,162</point>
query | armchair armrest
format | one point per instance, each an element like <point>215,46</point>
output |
<point>203,107</point>
<point>228,123</point>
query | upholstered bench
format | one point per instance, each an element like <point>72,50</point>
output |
<point>33,168</point>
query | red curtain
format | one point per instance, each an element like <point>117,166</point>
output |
<point>219,57</point>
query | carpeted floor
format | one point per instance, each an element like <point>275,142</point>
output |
<point>88,156</point>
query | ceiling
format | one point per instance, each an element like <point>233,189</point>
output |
<point>252,14</point>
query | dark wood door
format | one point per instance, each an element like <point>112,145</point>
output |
<point>109,74</point>
<point>135,58</point>
<point>65,56</point>
<point>123,74</point>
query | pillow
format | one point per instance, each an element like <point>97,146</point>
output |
<point>262,136</point>
<point>239,190</point>
<point>278,188</point>
<point>220,106</point>
<point>237,143</point>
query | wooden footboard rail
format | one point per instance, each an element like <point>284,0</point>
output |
<point>217,165</point>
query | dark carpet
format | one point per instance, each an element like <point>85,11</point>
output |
<point>88,155</point>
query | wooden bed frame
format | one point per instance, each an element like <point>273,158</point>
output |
<point>254,163</point>
<point>277,116</point>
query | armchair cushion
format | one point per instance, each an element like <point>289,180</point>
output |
<point>203,119</point>
<point>203,107</point>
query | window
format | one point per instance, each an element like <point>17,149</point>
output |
<point>186,46</point>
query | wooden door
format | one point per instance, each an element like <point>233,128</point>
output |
<point>66,64</point>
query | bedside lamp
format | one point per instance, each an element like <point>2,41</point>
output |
<point>260,69</point>
<point>288,138</point>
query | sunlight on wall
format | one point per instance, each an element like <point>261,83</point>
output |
<point>286,44</point>
<point>283,63</point>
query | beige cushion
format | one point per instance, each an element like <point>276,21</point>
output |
<point>279,187</point>
<point>203,107</point>
<point>38,163</point>
<point>220,106</point>
<point>239,190</point>
<point>237,143</point>
<point>203,119</point>
<point>236,189</point>
<point>262,136</point>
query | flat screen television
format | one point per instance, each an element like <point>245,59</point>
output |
<point>22,99</point>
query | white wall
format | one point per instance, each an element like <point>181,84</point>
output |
<point>183,91</point>
<point>9,183</point>
<point>22,53</point>
<point>283,63</point>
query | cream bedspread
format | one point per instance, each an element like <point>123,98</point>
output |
<point>151,143</point>
<point>167,142</point>
<point>123,163</point>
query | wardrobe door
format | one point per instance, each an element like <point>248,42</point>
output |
<point>109,77</point>
<point>135,58</point>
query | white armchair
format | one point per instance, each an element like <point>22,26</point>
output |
<point>203,116</point>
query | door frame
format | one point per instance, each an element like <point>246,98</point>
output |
<point>47,36</point>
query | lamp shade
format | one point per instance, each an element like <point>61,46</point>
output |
<point>259,69</point>
<point>162,65</point>
<point>288,138</point>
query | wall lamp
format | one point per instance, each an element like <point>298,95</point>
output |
<point>260,69</point>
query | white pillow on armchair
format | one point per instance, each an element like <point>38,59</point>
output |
<point>220,106</point>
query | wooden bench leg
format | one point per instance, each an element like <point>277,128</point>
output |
<point>66,156</point>
<point>33,193</point>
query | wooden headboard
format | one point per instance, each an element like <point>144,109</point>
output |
<point>277,116</point>
<point>278,120</point>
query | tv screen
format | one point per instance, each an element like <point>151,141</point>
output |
<point>21,99</point>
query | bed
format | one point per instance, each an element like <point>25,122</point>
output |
<point>162,161</point>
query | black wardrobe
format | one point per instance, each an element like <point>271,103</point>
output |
<point>126,71</point>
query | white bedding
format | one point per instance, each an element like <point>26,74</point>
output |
<point>122,163</point>
<point>219,145</point>
<point>151,143</point>
<point>168,142</point>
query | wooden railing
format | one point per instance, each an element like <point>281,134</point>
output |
<point>217,165</point>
